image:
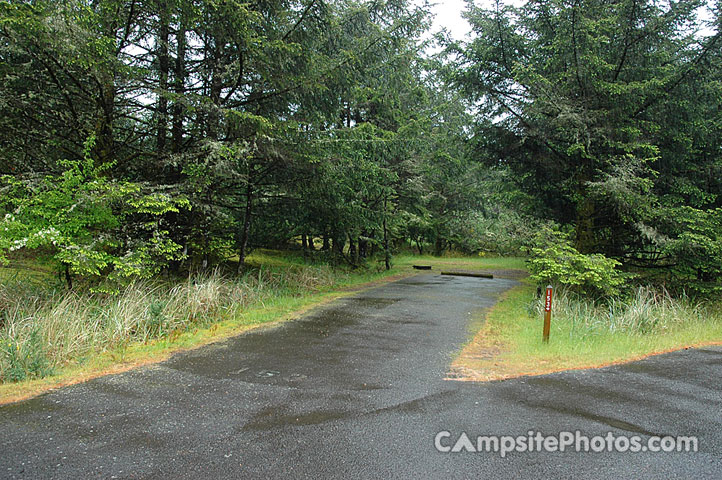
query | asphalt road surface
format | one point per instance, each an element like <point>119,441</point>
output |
<point>356,390</point>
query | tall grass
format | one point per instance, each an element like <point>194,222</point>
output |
<point>584,333</point>
<point>43,328</point>
<point>648,320</point>
<point>645,311</point>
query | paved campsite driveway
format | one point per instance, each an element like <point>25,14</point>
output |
<point>357,390</point>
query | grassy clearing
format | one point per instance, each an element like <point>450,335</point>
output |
<point>583,334</point>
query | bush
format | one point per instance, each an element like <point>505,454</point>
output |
<point>558,262</point>
<point>94,226</point>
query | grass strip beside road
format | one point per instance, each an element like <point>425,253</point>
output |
<point>267,313</point>
<point>509,343</point>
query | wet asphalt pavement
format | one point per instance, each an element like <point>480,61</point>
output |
<point>356,390</point>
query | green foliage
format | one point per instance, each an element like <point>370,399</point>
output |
<point>504,232</point>
<point>217,127</point>
<point>696,249</point>
<point>607,114</point>
<point>24,360</point>
<point>556,261</point>
<point>85,218</point>
<point>156,324</point>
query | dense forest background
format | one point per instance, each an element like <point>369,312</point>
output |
<point>140,136</point>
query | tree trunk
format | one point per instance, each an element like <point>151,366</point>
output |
<point>339,242</point>
<point>163,70</point>
<point>68,277</point>
<point>246,228</point>
<point>205,261</point>
<point>216,88</point>
<point>104,136</point>
<point>104,150</point>
<point>585,238</point>
<point>352,250</point>
<point>438,245</point>
<point>363,246</point>
<point>387,254</point>
<point>179,87</point>
<point>585,241</point>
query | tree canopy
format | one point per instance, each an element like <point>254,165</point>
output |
<point>607,114</point>
<point>138,136</point>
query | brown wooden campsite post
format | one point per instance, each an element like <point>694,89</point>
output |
<point>547,314</point>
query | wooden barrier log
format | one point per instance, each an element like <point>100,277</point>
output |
<point>469,274</point>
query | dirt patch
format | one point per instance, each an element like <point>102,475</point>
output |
<point>480,360</point>
<point>484,363</point>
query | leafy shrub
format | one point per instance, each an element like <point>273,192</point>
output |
<point>96,227</point>
<point>558,262</point>
<point>156,319</point>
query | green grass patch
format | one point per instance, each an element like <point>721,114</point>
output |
<point>584,334</point>
<point>29,272</point>
<point>274,258</point>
